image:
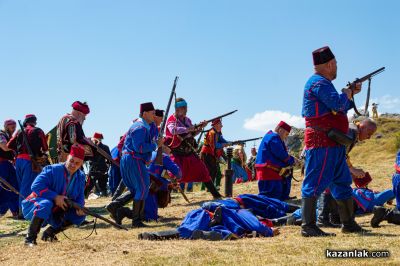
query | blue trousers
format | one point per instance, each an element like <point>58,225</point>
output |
<point>264,206</point>
<point>396,189</point>
<point>42,208</point>
<point>151,208</point>
<point>276,189</point>
<point>8,199</point>
<point>25,177</point>
<point>327,168</point>
<point>380,199</point>
<point>135,176</point>
<point>114,178</point>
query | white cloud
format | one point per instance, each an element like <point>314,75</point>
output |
<point>268,120</point>
<point>387,103</point>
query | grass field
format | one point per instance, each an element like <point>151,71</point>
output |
<point>115,247</point>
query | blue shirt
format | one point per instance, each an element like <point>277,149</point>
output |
<point>273,152</point>
<point>55,180</point>
<point>321,97</point>
<point>139,141</point>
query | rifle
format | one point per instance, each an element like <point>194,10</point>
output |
<point>85,210</point>
<point>243,141</point>
<point>177,140</point>
<point>101,152</point>
<point>198,126</point>
<point>35,165</point>
<point>70,203</point>
<point>352,86</point>
<point>159,159</point>
<point>176,184</point>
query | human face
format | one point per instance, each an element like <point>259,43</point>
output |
<point>73,164</point>
<point>181,111</point>
<point>11,129</point>
<point>218,127</point>
<point>333,68</point>
<point>283,134</point>
<point>149,116</point>
<point>158,120</point>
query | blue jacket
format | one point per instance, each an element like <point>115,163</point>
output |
<point>272,155</point>
<point>139,142</point>
<point>168,165</point>
<point>55,180</point>
<point>321,98</point>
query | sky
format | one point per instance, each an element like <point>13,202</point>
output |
<point>254,56</point>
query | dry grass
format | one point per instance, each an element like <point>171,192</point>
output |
<point>114,247</point>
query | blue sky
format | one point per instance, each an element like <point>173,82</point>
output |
<point>254,56</point>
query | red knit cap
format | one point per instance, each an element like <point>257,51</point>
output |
<point>77,151</point>
<point>364,181</point>
<point>285,126</point>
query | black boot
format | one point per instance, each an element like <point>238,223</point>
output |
<point>217,219</point>
<point>49,235</point>
<point>119,202</point>
<point>393,217</point>
<point>380,215</point>
<point>138,214</point>
<point>324,210</point>
<point>205,235</point>
<point>122,213</point>
<point>33,231</point>
<point>292,207</point>
<point>213,190</point>
<point>162,235</point>
<point>308,226</point>
<point>346,212</point>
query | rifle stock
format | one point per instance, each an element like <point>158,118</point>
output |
<point>85,210</point>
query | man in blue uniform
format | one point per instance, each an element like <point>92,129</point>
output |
<point>46,204</point>
<point>390,215</point>
<point>159,192</point>
<point>324,110</point>
<point>271,158</point>
<point>136,153</point>
<point>8,200</point>
<point>26,169</point>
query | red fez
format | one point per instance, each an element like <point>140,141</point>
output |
<point>159,113</point>
<point>146,107</point>
<point>77,151</point>
<point>285,126</point>
<point>9,122</point>
<point>216,122</point>
<point>30,116</point>
<point>98,136</point>
<point>363,182</point>
<point>81,107</point>
<point>322,55</point>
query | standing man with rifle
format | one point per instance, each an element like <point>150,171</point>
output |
<point>180,134</point>
<point>213,149</point>
<point>8,200</point>
<point>30,145</point>
<point>325,111</point>
<point>98,168</point>
<point>47,204</point>
<point>70,132</point>
<point>271,158</point>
